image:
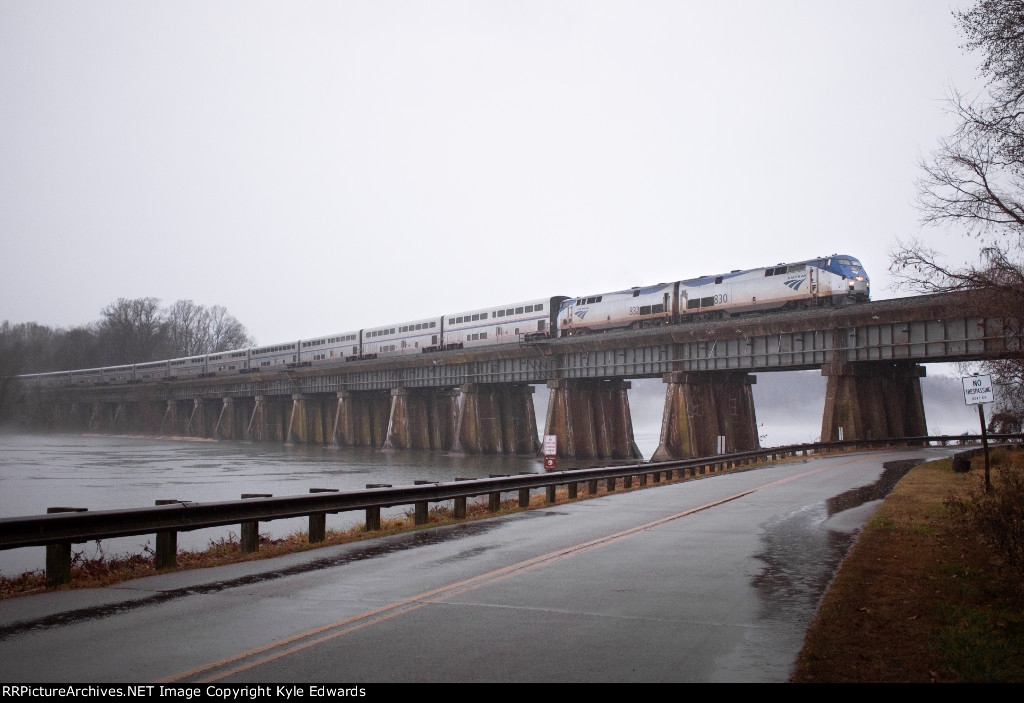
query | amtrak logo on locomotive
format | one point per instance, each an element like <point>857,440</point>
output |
<point>795,283</point>
<point>581,313</point>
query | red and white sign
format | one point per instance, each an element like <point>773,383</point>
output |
<point>550,445</point>
<point>550,462</point>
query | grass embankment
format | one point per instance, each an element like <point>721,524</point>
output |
<point>920,597</point>
<point>104,569</point>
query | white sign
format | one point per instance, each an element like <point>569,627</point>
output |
<point>550,445</point>
<point>978,390</point>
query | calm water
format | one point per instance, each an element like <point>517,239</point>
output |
<point>106,473</point>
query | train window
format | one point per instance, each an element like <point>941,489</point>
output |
<point>539,306</point>
<point>780,270</point>
<point>769,272</point>
<point>483,335</point>
<point>636,293</point>
<point>529,308</point>
<point>718,279</point>
<point>434,324</point>
<point>540,325</point>
<point>519,311</point>
<point>451,320</point>
<point>483,316</point>
<point>501,313</point>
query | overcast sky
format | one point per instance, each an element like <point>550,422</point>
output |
<point>319,167</point>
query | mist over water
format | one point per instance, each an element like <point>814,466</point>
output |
<point>106,472</point>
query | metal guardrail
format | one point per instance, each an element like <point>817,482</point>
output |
<point>59,530</point>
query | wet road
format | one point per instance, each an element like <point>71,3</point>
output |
<point>707,580</point>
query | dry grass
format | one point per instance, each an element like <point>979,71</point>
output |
<point>104,570</point>
<point>918,598</point>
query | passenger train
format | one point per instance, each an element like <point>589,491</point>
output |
<point>833,280</point>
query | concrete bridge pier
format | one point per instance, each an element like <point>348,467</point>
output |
<point>591,419</point>
<point>173,421</point>
<point>203,418</point>
<point>422,419</point>
<point>102,417</point>
<point>233,419</point>
<point>496,419</point>
<point>311,420</point>
<point>703,406</point>
<point>361,418</point>
<point>873,400</point>
<point>72,417</point>
<point>268,421</point>
<point>148,415</point>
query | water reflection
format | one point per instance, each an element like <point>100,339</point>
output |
<point>800,554</point>
<point>106,473</point>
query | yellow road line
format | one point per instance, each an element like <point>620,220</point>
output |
<point>413,603</point>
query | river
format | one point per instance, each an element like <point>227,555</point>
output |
<point>102,472</point>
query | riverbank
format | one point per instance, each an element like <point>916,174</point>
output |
<point>918,599</point>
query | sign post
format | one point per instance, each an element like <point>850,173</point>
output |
<point>550,451</point>
<point>978,390</point>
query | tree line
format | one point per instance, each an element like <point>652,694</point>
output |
<point>129,331</point>
<point>974,184</point>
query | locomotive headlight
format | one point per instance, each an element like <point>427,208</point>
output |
<point>860,278</point>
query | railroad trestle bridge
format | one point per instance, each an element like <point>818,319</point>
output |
<point>481,401</point>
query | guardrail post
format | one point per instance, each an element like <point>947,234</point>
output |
<point>610,484</point>
<point>592,487</point>
<point>318,521</point>
<point>643,479</point>
<point>420,508</point>
<point>627,482</point>
<point>166,554</point>
<point>573,489</point>
<point>494,498</point>
<point>373,514</point>
<point>524,497</point>
<point>549,493</point>
<point>251,530</point>
<point>58,556</point>
<point>460,503</point>
<point>656,477</point>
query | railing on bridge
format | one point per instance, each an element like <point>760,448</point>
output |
<point>59,530</point>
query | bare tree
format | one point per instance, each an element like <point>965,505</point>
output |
<point>226,332</point>
<point>974,183</point>
<point>133,331</point>
<point>188,328</point>
<point>196,329</point>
